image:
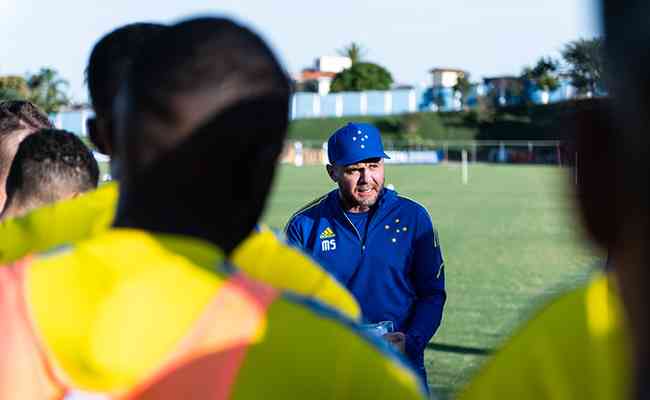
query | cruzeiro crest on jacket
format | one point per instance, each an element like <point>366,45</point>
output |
<point>328,243</point>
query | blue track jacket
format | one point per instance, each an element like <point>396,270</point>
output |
<point>396,273</point>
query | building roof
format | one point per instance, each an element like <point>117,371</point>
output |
<point>441,69</point>
<point>501,78</point>
<point>310,74</point>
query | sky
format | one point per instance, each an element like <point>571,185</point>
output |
<point>408,37</point>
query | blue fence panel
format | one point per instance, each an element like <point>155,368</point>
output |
<point>401,101</point>
<point>376,102</point>
<point>351,103</point>
<point>328,105</point>
<point>303,105</point>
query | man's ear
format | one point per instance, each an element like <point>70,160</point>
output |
<point>100,135</point>
<point>331,171</point>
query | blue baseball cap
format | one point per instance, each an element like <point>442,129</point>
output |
<point>353,143</point>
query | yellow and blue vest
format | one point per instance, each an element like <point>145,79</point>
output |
<point>58,223</point>
<point>575,348</point>
<point>132,315</point>
<point>262,255</point>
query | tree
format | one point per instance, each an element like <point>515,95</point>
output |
<point>13,88</point>
<point>585,64</point>
<point>47,90</point>
<point>543,76</point>
<point>463,86</point>
<point>362,76</point>
<point>353,51</point>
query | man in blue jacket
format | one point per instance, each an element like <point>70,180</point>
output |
<point>381,246</point>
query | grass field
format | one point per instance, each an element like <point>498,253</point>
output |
<point>509,237</point>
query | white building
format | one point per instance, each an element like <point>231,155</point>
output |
<point>446,77</point>
<point>319,78</point>
<point>334,64</point>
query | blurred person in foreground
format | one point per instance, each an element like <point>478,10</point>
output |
<point>621,219</point>
<point>144,309</point>
<point>577,346</point>
<point>380,245</point>
<point>262,255</point>
<point>18,119</point>
<point>49,166</point>
<point>593,342</point>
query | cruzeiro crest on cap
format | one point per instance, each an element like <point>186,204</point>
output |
<point>328,233</point>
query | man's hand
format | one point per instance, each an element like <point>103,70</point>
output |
<point>397,339</point>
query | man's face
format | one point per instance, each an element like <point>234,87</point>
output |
<point>360,183</point>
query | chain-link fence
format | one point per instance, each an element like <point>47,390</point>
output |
<point>432,152</point>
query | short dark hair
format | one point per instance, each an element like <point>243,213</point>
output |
<point>17,113</point>
<point>51,160</point>
<point>212,55</point>
<point>203,96</point>
<point>111,58</point>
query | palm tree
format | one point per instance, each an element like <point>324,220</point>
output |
<point>585,60</point>
<point>544,75</point>
<point>353,51</point>
<point>13,88</point>
<point>463,87</point>
<point>47,90</point>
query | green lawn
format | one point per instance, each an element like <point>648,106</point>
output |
<point>509,238</point>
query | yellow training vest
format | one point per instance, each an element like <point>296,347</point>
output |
<point>576,348</point>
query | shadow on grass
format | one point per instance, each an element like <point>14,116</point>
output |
<point>450,348</point>
<point>440,392</point>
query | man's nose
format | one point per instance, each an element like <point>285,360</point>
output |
<point>363,177</point>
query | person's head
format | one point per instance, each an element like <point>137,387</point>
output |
<point>18,119</point>
<point>356,163</point>
<point>200,124</point>
<point>49,166</point>
<point>108,63</point>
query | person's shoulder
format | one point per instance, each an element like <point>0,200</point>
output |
<point>104,194</point>
<point>100,200</point>
<point>289,347</point>
<point>117,286</point>
<point>265,256</point>
<point>334,353</point>
<point>113,251</point>
<point>41,229</point>
<point>579,310</point>
<point>574,335</point>
<point>310,209</point>
<point>410,205</point>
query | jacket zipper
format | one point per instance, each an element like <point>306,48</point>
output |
<point>363,245</point>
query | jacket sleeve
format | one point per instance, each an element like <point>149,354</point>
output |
<point>428,278</point>
<point>293,233</point>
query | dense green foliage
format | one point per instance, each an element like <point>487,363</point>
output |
<point>544,74</point>
<point>354,51</point>
<point>45,88</point>
<point>586,64</point>
<point>536,122</point>
<point>463,86</point>
<point>362,76</point>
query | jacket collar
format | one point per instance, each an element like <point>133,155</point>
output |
<point>386,199</point>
